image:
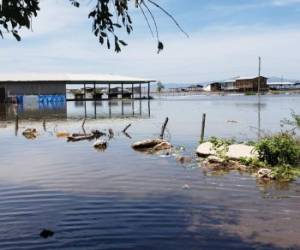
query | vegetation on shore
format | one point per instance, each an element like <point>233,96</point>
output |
<point>280,153</point>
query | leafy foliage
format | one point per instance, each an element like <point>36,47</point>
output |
<point>15,14</point>
<point>285,172</point>
<point>221,146</point>
<point>279,149</point>
<point>107,17</point>
<point>160,87</point>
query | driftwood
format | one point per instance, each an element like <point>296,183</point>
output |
<point>127,127</point>
<point>80,138</point>
<point>30,133</point>
<point>44,125</point>
<point>111,133</point>
<point>163,128</point>
<point>98,133</point>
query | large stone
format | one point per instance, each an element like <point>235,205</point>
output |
<point>205,149</point>
<point>237,151</point>
<point>162,146</point>
<point>146,144</point>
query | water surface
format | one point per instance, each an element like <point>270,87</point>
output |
<point>122,199</point>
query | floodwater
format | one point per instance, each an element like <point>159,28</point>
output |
<point>122,199</point>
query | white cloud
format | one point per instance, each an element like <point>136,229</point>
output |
<point>61,43</point>
<point>285,2</point>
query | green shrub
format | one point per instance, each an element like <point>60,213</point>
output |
<point>279,149</point>
<point>285,172</point>
<point>221,146</point>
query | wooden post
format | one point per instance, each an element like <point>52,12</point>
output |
<point>203,127</point>
<point>109,91</point>
<point>132,92</point>
<point>84,91</point>
<point>149,108</point>
<point>44,125</point>
<point>163,128</point>
<point>132,107</point>
<point>122,90</point>
<point>109,108</point>
<point>258,95</point>
<point>148,90</point>
<point>95,92</point>
<point>140,91</point>
<point>17,125</point>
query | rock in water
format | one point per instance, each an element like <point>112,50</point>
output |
<point>146,144</point>
<point>100,145</point>
<point>265,173</point>
<point>237,151</point>
<point>162,146</point>
<point>214,159</point>
<point>205,149</point>
<point>46,233</point>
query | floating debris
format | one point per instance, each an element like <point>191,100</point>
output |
<point>100,145</point>
<point>30,133</point>
<point>265,173</point>
<point>186,186</point>
<point>75,138</point>
<point>46,233</point>
<point>98,133</point>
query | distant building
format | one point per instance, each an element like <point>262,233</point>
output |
<point>213,87</point>
<point>244,84</point>
<point>239,84</point>
<point>283,85</point>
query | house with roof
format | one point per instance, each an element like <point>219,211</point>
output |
<point>240,84</point>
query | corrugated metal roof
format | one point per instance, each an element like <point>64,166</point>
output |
<point>71,78</point>
<point>247,77</point>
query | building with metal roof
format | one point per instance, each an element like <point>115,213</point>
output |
<point>14,86</point>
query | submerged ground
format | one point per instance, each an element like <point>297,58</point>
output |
<point>122,199</point>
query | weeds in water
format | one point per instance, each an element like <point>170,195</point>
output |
<point>279,149</point>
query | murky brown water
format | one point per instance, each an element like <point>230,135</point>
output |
<point>122,199</point>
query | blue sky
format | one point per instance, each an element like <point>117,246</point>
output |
<point>226,37</point>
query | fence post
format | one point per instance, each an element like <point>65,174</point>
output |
<point>203,127</point>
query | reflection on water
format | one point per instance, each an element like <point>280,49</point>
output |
<point>121,199</point>
<point>77,109</point>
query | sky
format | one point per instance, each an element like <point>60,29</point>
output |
<point>225,39</point>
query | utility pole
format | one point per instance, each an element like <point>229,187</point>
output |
<point>258,96</point>
<point>259,75</point>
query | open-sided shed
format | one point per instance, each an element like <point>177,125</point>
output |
<point>13,85</point>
